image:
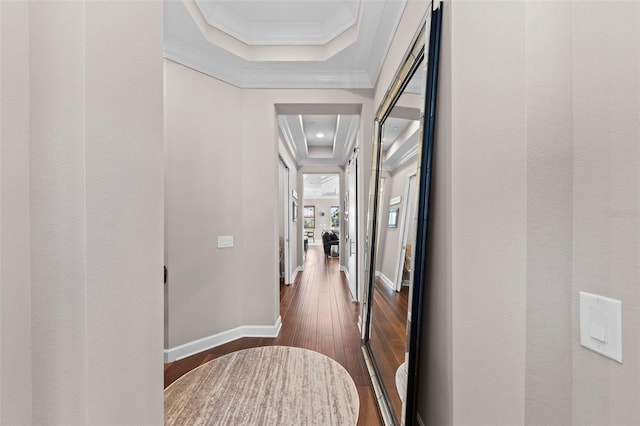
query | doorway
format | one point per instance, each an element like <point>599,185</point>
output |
<point>322,212</point>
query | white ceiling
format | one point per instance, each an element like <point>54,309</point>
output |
<point>393,127</point>
<point>301,133</point>
<point>401,129</point>
<point>321,186</point>
<point>292,22</point>
<point>283,43</point>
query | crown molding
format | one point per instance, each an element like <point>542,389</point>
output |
<point>214,66</point>
<point>382,44</point>
<point>284,67</point>
<point>402,156</point>
<point>272,48</point>
<point>285,130</point>
<point>352,134</point>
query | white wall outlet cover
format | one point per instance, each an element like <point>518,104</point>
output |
<point>601,325</point>
<point>225,241</point>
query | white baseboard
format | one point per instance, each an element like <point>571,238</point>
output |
<point>191,348</point>
<point>346,274</point>
<point>385,280</point>
<point>295,274</point>
<point>345,270</point>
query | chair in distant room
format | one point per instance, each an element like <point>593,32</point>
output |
<point>331,243</point>
<point>310,234</point>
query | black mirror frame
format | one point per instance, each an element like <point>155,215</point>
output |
<point>411,61</point>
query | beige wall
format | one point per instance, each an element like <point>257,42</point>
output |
<point>216,134</point>
<point>606,201</point>
<point>388,249</point>
<point>323,223</point>
<point>204,188</point>
<point>489,212</point>
<point>536,199</point>
<point>548,379</point>
<point>15,241</point>
<point>81,213</point>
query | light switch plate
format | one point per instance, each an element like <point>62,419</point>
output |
<point>225,241</point>
<point>601,325</point>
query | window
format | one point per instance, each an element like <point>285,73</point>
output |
<point>335,217</point>
<point>309,218</point>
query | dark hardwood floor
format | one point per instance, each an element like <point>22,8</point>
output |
<point>317,314</point>
<point>388,336</point>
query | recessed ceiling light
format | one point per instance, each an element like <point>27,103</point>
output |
<point>320,135</point>
<point>395,128</point>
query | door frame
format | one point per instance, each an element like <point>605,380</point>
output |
<point>406,219</point>
<point>287,219</point>
<point>353,221</point>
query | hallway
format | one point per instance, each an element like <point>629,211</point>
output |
<point>317,314</point>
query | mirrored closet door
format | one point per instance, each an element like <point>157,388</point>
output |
<point>397,221</point>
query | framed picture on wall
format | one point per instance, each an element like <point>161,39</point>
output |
<point>294,211</point>
<point>393,218</point>
<point>309,217</point>
<point>335,216</point>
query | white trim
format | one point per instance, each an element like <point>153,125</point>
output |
<point>406,222</point>
<point>181,53</point>
<point>287,135</point>
<point>217,54</point>
<point>197,346</point>
<point>287,219</point>
<point>346,274</point>
<point>295,273</point>
<point>385,280</point>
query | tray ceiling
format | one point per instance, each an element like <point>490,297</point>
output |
<point>322,139</point>
<point>283,43</point>
<point>318,186</point>
<point>289,22</point>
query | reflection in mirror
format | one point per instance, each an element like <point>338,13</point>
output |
<point>397,227</point>
<point>395,241</point>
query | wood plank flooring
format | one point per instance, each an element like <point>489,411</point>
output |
<point>388,336</point>
<point>318,314</point>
